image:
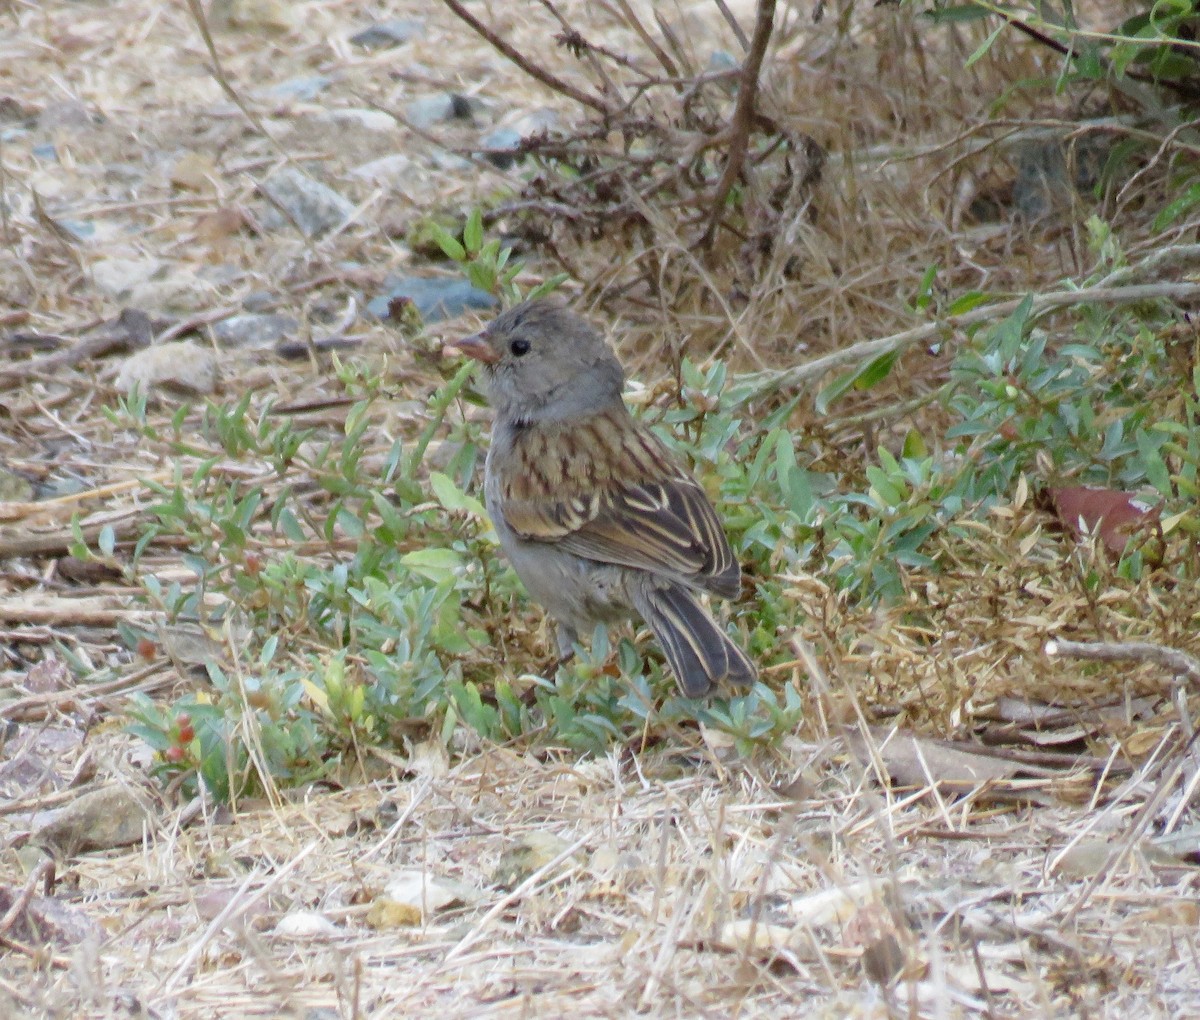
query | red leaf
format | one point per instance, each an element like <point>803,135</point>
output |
<point>1115,516</point>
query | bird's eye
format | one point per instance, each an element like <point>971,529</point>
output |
<point>519,347</point>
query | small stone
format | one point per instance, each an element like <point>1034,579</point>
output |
<point>444,106</point>
<point>527,855</point>
<point>385,913</point>
<point>14,486</point>
<point>55,487</point>
<point>117,276</point>
<point>175,292</point>
<point>428,893</point>
<point>500,147</point>
<point>255,15</point>
<point>219,224</point>
<point>449,161</point>
<point>505,142</point>
<point>81,230</point>
<point>299,89</point>
<point>386,34</point>
<point>13,112</point>
<point>313,207</point>
<point>434,299</point>
<point>723,61</point>
<point>305,925</point>
<point>391,169</point>
<point>108,817</point>
<point>254,329</point>
<point>194,171</point>
<point>372,120</point>
<point>65,116</point>
<point>44,921</point>
<point>259,301</point>
<point>180,365</point>
<point>124,173</point>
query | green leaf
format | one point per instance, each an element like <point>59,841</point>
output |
<point>453,498</point>
<point>473,232</point>
<point>547,286</point>
<point>862,378</point>
<point>961,13</point>
<point>1008,334</point>
<point>972,299</point>
<point>924,296</point>
<point>1177,208</point>
<point>914,446</point>
<point>448,243</point>
<point>986,44</point>
<point>436,564</point>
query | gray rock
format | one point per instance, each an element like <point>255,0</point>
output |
<point>371,120</point>
<point>435,298</point>
<point>300,89</point>
<point>259,301</point>
<point>505,142</point>
<point>116,276</point>
<point>313,207</point>
<point>450,161</point>
<point>66,116</point>
<point>254,329</point>
<point>500,147</point>
<point>386,34</point>
<point>442,107</point>
<point>181,366</point>
<point>721,60</point>
<point>392,169</point>
<point>124,173</point>
<point>81,230</point>
<point>110,816</point>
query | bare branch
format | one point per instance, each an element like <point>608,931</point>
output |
<point>743,117</point>
<point>506,49</point>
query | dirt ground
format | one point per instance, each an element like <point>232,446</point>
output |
<point>491,882</point>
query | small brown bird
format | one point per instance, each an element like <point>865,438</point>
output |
<point>598,518</point>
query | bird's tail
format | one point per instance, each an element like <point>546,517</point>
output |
<point>700,653</point>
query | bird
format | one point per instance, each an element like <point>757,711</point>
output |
<point>601,522</point>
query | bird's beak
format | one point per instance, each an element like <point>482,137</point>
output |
<point>477,347</point>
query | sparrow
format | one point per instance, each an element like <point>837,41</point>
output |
<point>599,519</point>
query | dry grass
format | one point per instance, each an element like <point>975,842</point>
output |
<point>681,883</point>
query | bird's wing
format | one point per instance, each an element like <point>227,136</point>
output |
<point>608,490</point>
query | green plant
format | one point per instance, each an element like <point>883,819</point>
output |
<point>487,263</point>
<point>368,599</point>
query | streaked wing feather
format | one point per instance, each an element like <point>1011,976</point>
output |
<point>646,513</point>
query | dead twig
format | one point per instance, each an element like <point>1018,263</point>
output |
<point>506,49</point>
<point>1180,663</point>
<point>792,378</point>
<point>743,117</point>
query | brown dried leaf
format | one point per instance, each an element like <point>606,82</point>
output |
<point>1116,516</point>
<point>917,761</point>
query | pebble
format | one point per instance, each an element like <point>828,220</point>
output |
<point>435,298</point>
<point>427,111</point>
<point>180,366</point>
<point>300,89</point>
<point>391,169</point>
<point>314,207</point>
<point>386,34</point>
<point>254,329</point>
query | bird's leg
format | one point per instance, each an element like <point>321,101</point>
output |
<point>567,639</point>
